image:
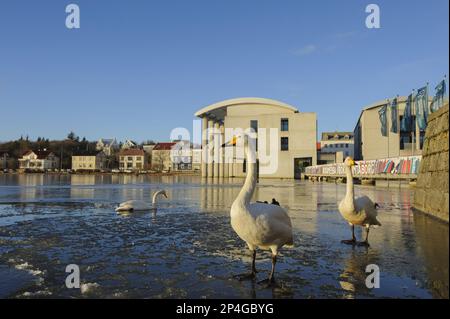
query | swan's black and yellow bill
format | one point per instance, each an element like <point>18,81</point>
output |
<point>232,142</point>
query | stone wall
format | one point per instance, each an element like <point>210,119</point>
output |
<point>431,195</point>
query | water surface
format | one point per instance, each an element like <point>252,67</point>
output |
<point>189,250</point>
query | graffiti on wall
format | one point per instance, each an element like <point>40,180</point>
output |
<point>407,165</point>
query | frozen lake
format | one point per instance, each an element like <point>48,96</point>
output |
<point>189,250</point>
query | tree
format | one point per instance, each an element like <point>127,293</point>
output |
<point>71,136</point>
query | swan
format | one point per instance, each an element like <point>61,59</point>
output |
<point>360,211</point>
<point>260,225</point>
<point>135,205</point>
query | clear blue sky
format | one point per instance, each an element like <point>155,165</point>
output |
<point>137,69</point>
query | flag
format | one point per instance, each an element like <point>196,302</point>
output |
<point>438,98</point>
<point>406,124</point>
<point>421,105</point>
<point>382,115</point>
<point>394,115</point>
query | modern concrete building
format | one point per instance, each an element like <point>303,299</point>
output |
<point>371,144</point>
<point>89,162</point>
<point>296,136</point>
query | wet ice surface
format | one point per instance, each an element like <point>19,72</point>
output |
<point>189,250</point>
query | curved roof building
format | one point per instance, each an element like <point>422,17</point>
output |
<point>286,138</point>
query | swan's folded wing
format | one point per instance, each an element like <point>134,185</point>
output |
<point>366,207</point>
<point>273,223</point>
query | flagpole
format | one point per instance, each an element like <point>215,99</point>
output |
<point>414,130</point>
<point>387,125</point>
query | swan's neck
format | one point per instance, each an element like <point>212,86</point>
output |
<point>349,196</point>
<point>248,189</point>
<point>155,196</point>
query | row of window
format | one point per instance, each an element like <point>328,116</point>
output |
<point>284,125</point>
<point>130,165</point>
<point>130,158</point>
<point>335,145</point>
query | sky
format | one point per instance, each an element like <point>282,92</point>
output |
<point>137,69</point>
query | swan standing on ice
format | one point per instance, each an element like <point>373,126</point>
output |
<point>360,211</point>
<point>260,225</point>
<point>135,205</point>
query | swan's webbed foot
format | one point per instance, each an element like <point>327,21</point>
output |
<point>363,243</point>
<point>245,276</point>
<point>349,241</point>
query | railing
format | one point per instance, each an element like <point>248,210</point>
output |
<point>394,167</point>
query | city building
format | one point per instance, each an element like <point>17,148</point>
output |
<point>38,161</point>
<point>186,157</point>
<point>370,144</point>
<point>296,136</point>
<point>133,159</point>
<point>162,156</point>
<point>4,157</point>
<point>334,146</point>
<point>108,145</point>
<point>89,162</point>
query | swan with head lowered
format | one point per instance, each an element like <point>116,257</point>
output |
<point>140,205</point>
<point>361,211</point>
<point>260,225</point>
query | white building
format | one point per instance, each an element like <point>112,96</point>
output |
<point>295,133</point>
<point>129,144</point>
<point>38,161</point>
<point>108,145</point>
<point>186,157</point>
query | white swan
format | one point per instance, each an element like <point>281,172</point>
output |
<point>360,211</point>
<point>136,205</point>
<point>260,225</point>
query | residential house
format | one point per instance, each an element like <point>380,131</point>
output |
<point>185,156</point>
<point>89,162</point>
<point>133,159</point>
<point>129,144</point>
<point>40,160</point>
<point>107,145</point>
<point>162,156</point>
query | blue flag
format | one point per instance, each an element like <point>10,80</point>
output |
<point>394,115</point>
<point>382,115</point>
<point>421,103</point>
<point>406,124</point>
<point>438,99</point>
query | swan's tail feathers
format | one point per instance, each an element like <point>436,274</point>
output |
<point>376,205</point>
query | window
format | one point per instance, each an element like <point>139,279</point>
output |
<point>284,143</point>
<point>254,125</point>
<point>121,158</point>
<point>130,158</point>
<point>138,158</point>
<point>284,125</point>
<point>129,165</point>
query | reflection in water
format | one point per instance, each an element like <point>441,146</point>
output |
<point>188,248</point>
<point>432,239</point>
